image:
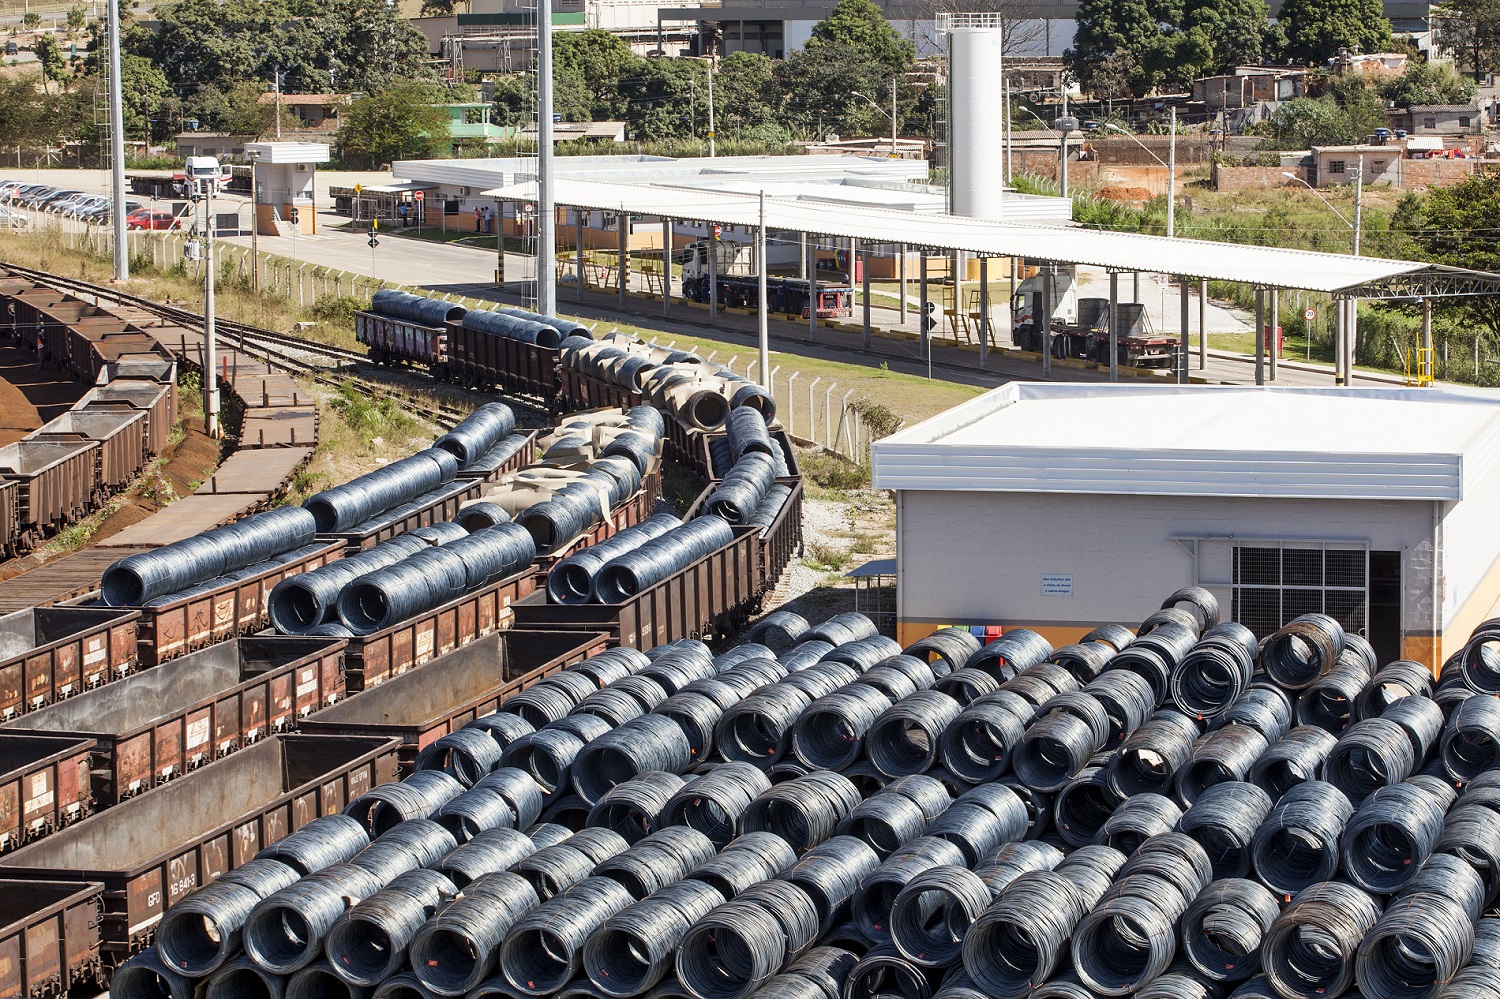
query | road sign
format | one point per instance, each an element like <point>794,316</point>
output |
<point>1310,315</point>
<point>373,242</point>
<point>718,231</point>
<point>418,195</point>
<point>359,188</point>
<point>292,216</point>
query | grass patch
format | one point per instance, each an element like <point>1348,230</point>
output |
<point>826,557</point>
<point>832,474</point>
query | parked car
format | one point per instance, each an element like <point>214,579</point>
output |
<point>72,206</point>
<point>147,219</point>
<point>55,200</point>
<point>8,187</point>
<point>13,219</point>
<point>23,194</point>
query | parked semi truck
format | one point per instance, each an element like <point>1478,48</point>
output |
<point>1080,326</point>
<point>738,284</point>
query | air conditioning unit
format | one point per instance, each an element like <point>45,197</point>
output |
<point>302,168</point>
<point>463,192</point>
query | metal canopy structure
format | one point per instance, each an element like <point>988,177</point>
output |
<point>1262,266</point>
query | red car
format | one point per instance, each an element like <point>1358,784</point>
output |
<point>146,219</point>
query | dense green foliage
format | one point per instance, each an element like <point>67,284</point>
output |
<point>1456,226</point>
<point>399,122</point>
<point>1317,29</point>
<point>1470,30</point>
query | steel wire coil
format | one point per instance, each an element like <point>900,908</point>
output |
<point>872,904</point>
<point>611,665</point>
<point>864,653</point>
<point>1472,983</point>
<point>1037,804</point>
<point>1223,820</point>
<point>552,871</point>
<point>147,976</point>
<point>846,936</point>
<point>850,626</point>
<point>485,853</point>
<point>416,797</point>
<point>690,647</point>
<point>975,828</point>
<point>1371,754</point>
<point>697,716</point>
<point>1451,687</point>
<point>1063,985</point>
<point>895,674</point>
<point>675,670</point>
<point>637,448</point>
<point>1202,604</point>
<point>1090,870</point>
<point>1116,636</point>
<point>884,972</point>
<point>202,931</point>
<point>465,755</point>
<point>1394,681</point>
<point>1127,938</point>
<point>1169,616</point>
<point>476,433</point>
<point>749,858</point>
<point>757,728</point>
<point>1012,652</point>
<point>240,978</point>
<point>1173,857</point>
<point>1328,702</point>
<point>725,695</point>
<point>318,981</point>
<point>747,432</point>
<point>1212,676</point>
<point>1222,929</point>
<point>1137,819</point>
<point>779,630</point>
<point>1445,874</point>
<point>1310,949</point>
<point>548,753</point>
<point>478,515</point>
<point>630,808</point>
<point>614,705</point>
<point>826,967</point>
<point>1150,757</point>
<point>863,775</point>
<point>575,507</point>
<point>822,678</point>
<point>1471,741</point>
<point>1264,708</point>
<point>730,658</point>
<point>803,655</point>
<point>650,742</point>
<point>934,912</point>
<point>551,698</point>
<point>368,942</point>
<point>904,739</point>
<point>787,768</point>
<point>830,873</point>
<point>285,931</point>
<point>746,940</point>
<point>946,650</point>
<point>1422,720</point>
<point>928,793</point>
<point>1472,833</point>
<point>1082,807</point>
<point>770,507</point>
<point>1226,754</point>
<point>657,861</point>
<point>1304,650</point>
<point>739,493</point>
<point>635,948</point>
<point>804,811</point>
<point>1014,859</point>
<point>1085,660</point>
<point>966,685</point>
<point>637,570</point>
<point>1057,746</point>
<point>1156,655</point>
<point>456,949</point>
<point>884,822</point>
<point>136,579</point>
<point>1180,981</point>
<point>544,949</point>
<point>404,847</point>
<point>1022,938</point>
<point>1298,757</point>
<point>1127,699</point>
<point>1040,683</point>
<point>545,834</point>
<point>1479,662</point>
<point>299,603</point>
<point>1298,843</point>
<point>713,803</point>
<point>1487,942</point>
<point>1390,836</point>
<point>646,691</point>
<point>323,842</point>
<point>502,726</point>
<point>571,580</point>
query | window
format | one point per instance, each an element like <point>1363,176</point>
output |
<point>1274,583</point>
<point>1429,123</point>
<point>1463,122</point>
<point>1335,166</point>
<point>1379,166</point>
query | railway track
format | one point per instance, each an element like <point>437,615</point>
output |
<point>331,365</point>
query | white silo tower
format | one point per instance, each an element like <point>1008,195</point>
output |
<point>976,114</point>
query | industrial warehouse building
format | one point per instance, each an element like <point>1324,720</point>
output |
<point>1059,507</point>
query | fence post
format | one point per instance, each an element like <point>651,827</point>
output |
<point>828,440</point>
<point>791,410</point>
<point>844,419</point>
<point>812,411</point>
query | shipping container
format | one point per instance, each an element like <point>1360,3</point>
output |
<point>455,688</point>
<point>49,937</point>
<point>372,659</point>
<point>709,598</point>
<point>178,626</point>
<point>158,401</point>
<point>56,483</point>
<point>122,443</point>
<point>44,784</point>
<point>150,851</point>
<point>49,653</point>
<point>161,723</point>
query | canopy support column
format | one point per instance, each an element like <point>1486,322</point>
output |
<point>1202,323</point>
<point>864,280</point>
<point>1274,333</point>
<point>578,215</point>
<point>1182,353</point>
<point>922,304</point>
<point>666,267</point>
<point>1114,326</point>
<point>622,222</point>
<point>1045,318</point>
<point>984,311</point>
<point>1260,336</point>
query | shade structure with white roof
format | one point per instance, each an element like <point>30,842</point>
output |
<point>1059,506</point>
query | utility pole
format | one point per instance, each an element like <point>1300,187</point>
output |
<point>1351,326</point>
<point>712,147</point>
<point>278,103</point>
<point>1172,180</point>
<point>893,117</point>
<point>117,146</point>
<point>762,324</point>
<point>546,213</point>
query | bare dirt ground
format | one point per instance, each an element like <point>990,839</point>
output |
<point>30,397</point>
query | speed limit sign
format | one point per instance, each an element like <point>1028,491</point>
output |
<point>1310,315</point>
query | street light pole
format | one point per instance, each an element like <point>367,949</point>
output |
<point>546,212</point>
<point>117,146</point>
<point>1172,179</point>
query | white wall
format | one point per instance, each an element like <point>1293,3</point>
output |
<point>980,556</point>
<point>1470,541</point>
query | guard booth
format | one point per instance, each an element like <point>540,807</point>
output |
<point>283,176</point>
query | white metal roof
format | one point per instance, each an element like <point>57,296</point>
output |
<point>288,152</point>
<point>1386,444</point>
<point>1261,265</point>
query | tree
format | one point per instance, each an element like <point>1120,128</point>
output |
<point>1454,226</point>
<point>1113,40</point>
<point>859,26</point>
<point>1317,29</point>
<point>1470,31</point>
<point>819,83</point>
<point>748,98</point>
<point>145,89</point>
<point>1428,83</point>
<point>1360,101</point>
<point>1307,121</point>
<point>398,122</point>
<point>593,62</point>
<point>31,20</point>
<point>77,18</point>
<point>1234,28</point>
<point>657,95</point>
<point>25,117</point>
<point>50,59</point>
<point>439,8</point>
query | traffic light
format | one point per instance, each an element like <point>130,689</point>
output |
<point>929,317</point>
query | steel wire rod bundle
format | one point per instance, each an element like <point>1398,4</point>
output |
<point>713,803</point>
<point>635,948</point>
<point>1012,652</point>
<point>1226,754</point>
<point>1306,649</point>
<point>1224,820</point>
<point>1069,729</point>
<point>981,820</point>
<point>1298,843</point>
<point>1081,809</point>
<point>978,744</point>
<point>1329,701</point>
<point>658,860</point>
<point>543,950</point>
<point>1471,740</point>
<point>455,949</point>
<point>830,732</point>
<point>830,873</point>
<point>1222,929</point>
<point>1265,708</point>
<point>630,808</point>
<point>1390,836</point>
<point>743,942</point>
<point>1371,754</point>
<point>904,739</point>
<point>748,859</point>
<point>1149,758</point>
<point>877,894</point>
<point>1215,672</point>
<point>647,743</point>
<point>368,943</point>
<point>1295,759</point>
<point>1310,949</point>
<point>946,650</point>
<point>1127,699</point>
<point>486,852</point>
<point>1022,938</point>
<point>804,811</point>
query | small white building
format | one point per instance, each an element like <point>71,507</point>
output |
<point>282,182</point>
<point>1063,506</point>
